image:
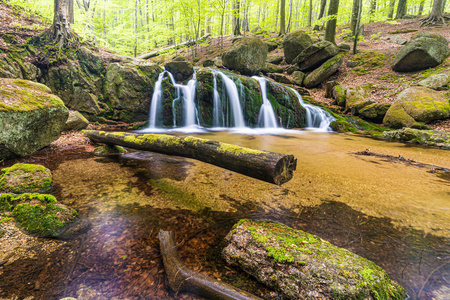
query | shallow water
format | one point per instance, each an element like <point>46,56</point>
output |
<point>388,211</point>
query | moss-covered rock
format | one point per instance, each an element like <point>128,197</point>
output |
<point>436,82</point>
<point>316,54</point>
<point>272,68</point>
<point>271,46</point>
<point>294,43</point>
<point>25,178</point>
<point>274,59</point>
<point>303,266</point>
<point>247,56</point>
<point>107,150</point>
<point>30,117</point>
<point>357,95</point>
<point>181,70</point>
<point>279,77</point>
<point>415,107</point>
<point>340,95</point>
<point>423,51</point>
<point>366,61</point>
<point>423,137</point>
<point>298,77</point>
<point>76,121</point>
<point>374,112</point>
<point>320,74</point>
<point>38,214</point>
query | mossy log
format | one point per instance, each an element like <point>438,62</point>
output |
<point>181,278</point>
<point>267,166</point>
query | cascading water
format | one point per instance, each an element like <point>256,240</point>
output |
<point>155,107</point>
<point>188,94</point>
<point>266,118</point>
<point>233,98</point>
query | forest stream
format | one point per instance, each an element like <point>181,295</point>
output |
<point>390,211</point>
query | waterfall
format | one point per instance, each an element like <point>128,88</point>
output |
<point>155,108</point>
<point>266,116</point>
<point>316,117</point>
<point>233,98</point>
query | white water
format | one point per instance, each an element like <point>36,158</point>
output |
<point>233,97</point>
<point>156,101</point>
<point>266,116</point>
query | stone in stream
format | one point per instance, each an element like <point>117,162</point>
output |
<point>25,178</point>
<point>303,266</point>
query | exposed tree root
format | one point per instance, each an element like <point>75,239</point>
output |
<point>434,20</point>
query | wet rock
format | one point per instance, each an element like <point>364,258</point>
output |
<point>208,63</point>
<point>316,54</point>
<point>76,121</point>
<point>281,78</point>
<point>30,117</point>
<point>271,68</point>
<point>424,137</point>
<point>357,94</point>
<point>320,74</point>
<point>339,94</point>
<point>303,266</point>
<point>38,214</point>
<point>294,43</point>
<point>79,227</point>
<point>374,112</point>
<point>415,107</point>
<point>423,51</point>
<point>107,150</point>
<point>274,59</point>
<point>298,77</point>
<point>25,178</point>
<point>181,70</point>
<point>435,82</point>
<point>247,56</point>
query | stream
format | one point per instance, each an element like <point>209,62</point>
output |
<point>390,212</point>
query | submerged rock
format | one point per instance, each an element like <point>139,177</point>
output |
<point>25,178</point>
<point>415,107</point>
<point>247,55</point>
<point>30,117</point>
<point>38,214</point>
<point>107,150</point>
<point>303,266</point>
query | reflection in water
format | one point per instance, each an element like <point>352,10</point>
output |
<point>393,214</point>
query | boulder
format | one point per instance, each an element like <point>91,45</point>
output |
<point>423,51</point>
<point>25,178</point>
<point>76,121</point>
<point>274,59</point>
<point>340,95</point>
<point>303,266</point>
<point>437,138</point>
<point>374,112</point>
<point>208,63</point>
<point>248,56</point>
<point>415,107</point>
<point>298,77</point>
<point>30,117</point>
<point>396,39</point>
<point>14,64</point>
<point>294,43</point>
<point>291,69</point>
<point>91,62</point>
<point>181,70</point>
<point>320,74</point>
<point>281,78</point>
<point>344,47</point>
<point>316,54</point>
<point>271,45</point>
<point>435,82</point>
<point>38,214</point>
<point>271,68</point>
<point>357,94</point>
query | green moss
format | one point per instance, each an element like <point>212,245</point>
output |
<point>25,178</point>
<point>402,31</point>
<point>368,61</point>
<point>236,150</point>
<point>195,140</point>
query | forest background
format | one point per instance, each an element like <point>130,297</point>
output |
<point>130,27</point>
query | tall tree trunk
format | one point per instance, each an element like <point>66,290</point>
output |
<point>435,17</point>
<point>373,7</point>
<point>355,12</point>
<point>330,29</point>
<point>288,29</point>
<point>61,18</point>
<point>135,26</point>
<point>444,2</point>
<point>391,9</point>
<point>357,23</point>
<point>282,17</point>
<point>401,9</point>
<point>310,13</point>
<point>323,6</point>
<point>421,5</point>
<point>236,15</point>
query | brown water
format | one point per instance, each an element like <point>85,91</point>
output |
<point>390,212</point>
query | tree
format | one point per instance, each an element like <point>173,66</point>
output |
<point>357,23</point>
<point>401,9</point>
<point>330,29</point>
<point>355,11</point>
<point>236,19</point>
<point>435,17</point>
<point>282,17</point>
<point>323,5</point>
<point>373,7</point>
<point>391,9</point>
<point>61,22</point>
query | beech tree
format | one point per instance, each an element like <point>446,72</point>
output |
<point>435,17</point>
<point>330,29</point>
<point>401,9</point>
<point>282,17</point>
<point>63,15</point>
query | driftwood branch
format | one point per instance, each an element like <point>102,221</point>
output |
<point>264,165</point>
<point>156,53</point>
<point>181,278</point>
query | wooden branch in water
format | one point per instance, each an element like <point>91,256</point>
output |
<point>181,278</point>
<point>156,53</point>
<point>264,165</point>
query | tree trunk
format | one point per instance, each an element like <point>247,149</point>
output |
<point>181,278</point>
<point>401,9</point>
<point>330,29</point>
<point>323,6</point>
<point>267,166</point>
<point>357,24</point>
<point>282,17</point>
<point>61,28</point>
<point>355,12</point>
<point>310,13</point>
<point>288,29</point>
<point>391,9</point>
<point>435,17</point>
<point>236,17</point>
<point>373,7</point>
<point>421,5</point>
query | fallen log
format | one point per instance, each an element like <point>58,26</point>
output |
<point>264,165</point>
<point>181,278</point>
<point>156,52</point>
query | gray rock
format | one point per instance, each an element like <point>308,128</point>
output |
<point>435,82</point>
<point>294,43</point>
<point>415,107</point>
<point>76,121</point>
<point>274,59</point>
<point>344,47</point>
<point>208,63</point>
<point>30,117</point>
<point>281,78</point>
<point>396,39</point>
<point>291,69</point>
<point>271,68</point>
<point>271,45</point>
<point>357,94</point>
<point>340,95</point>
<point>92,62</point>
<point>316,54</point>
<point>302,266</point>
<point>423,51</point>
<point>181,70</point>
<point>248,56</point>
<point>298,77</point>
<point>437,138</point>
<point>320,74</point>
<point>374,111</point>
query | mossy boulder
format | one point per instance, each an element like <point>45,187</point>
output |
<point>320,74</point>
<point>437,138</point>
<point>272,68</point>
<point>181,70</point>
<point>303,266</point>
<point>298,77</point>
<point>92,62</point>
<point>247,56</point>
<point>339,94</point>
<point>415,107</point>
<point>316,54</point>
<point>436,82</point>
<point>107,150</point>
<point>76,121</point>
<point>294,43</point>
<point>356,95</point>
<point>38,214</point>
<point>374,111</point>
<point>25,178</point>
<point>271,46</point>
<point>14,65</point>
<point>274,59</point>
<point>281,78</point>
<point>423,51</point>
<point>30,117</point>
